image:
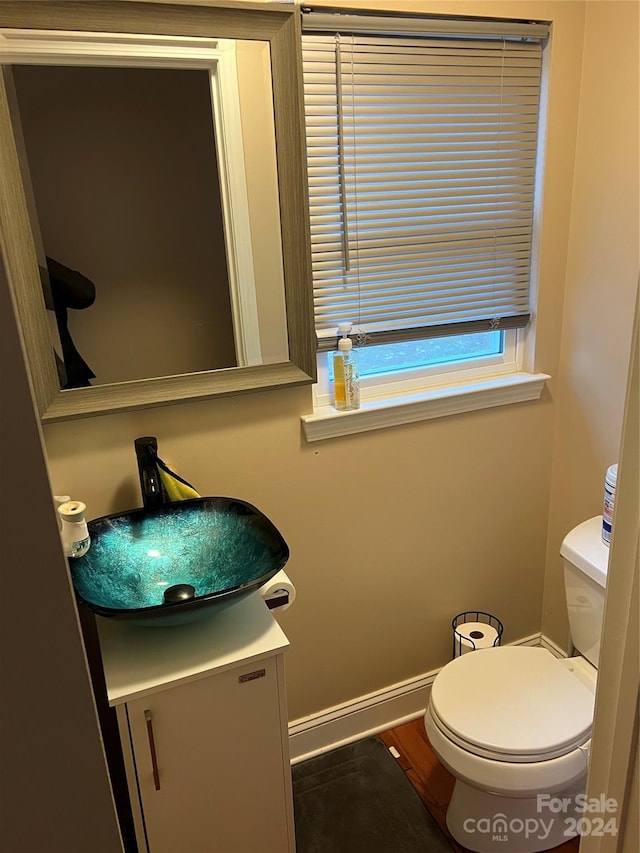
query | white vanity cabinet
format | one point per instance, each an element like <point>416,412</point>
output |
<point>203,723</point>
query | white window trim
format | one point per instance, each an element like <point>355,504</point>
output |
<point>438,391</point>
<point>326,422</point>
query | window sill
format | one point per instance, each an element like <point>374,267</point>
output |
<point>326,422</point>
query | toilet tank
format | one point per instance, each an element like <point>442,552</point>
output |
<point>585,578</point>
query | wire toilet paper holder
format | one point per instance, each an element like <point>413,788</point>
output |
<point>462,640</point>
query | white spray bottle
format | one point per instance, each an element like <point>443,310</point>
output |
<point>74,531</point>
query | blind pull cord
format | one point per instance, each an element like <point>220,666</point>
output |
<point>341,176</point>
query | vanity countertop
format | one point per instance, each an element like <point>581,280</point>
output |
<point>139,660</point>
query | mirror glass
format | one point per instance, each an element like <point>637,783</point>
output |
<point>156,223</point>
<point>125,180</point>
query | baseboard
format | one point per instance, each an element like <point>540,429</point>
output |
<point>359,718</point>
<point>552,647</point>
<point>375,712</point>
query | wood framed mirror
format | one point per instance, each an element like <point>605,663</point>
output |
<point>32,206</point>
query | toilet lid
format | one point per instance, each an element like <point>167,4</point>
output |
<point>515,703</point>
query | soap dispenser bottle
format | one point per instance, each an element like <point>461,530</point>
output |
<point>346,377</point>
<point>74,531</point>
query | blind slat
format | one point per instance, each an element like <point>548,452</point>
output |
<point>425,159</point>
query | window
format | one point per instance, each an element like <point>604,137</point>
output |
<point>395,358</point>
<point>422,139</point>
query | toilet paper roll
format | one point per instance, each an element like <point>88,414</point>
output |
<point>474,635</point>
<point>279,587</point>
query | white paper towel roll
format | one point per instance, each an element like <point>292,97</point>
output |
<point>278,587</point>
<point>474,635</point>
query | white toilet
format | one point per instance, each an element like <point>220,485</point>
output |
<point>513,723</point>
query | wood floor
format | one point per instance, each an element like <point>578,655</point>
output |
<point>432,781</point>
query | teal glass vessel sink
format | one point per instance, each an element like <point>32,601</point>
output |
<point>172,563</point>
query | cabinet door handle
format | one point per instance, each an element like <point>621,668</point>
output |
<point>152,749</point>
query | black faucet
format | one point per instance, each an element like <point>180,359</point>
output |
<point>150,483</point>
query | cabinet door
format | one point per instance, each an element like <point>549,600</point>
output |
<point>218,784</point>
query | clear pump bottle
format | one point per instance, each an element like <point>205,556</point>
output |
<point>346,375</point>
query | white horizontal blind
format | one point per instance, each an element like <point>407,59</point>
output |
<point>421,159</point>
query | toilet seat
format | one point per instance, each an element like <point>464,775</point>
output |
<point>506,778</point>
<point>515,704</point>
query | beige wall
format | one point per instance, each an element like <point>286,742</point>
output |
<point>602,275</point>
<point>394,532</point>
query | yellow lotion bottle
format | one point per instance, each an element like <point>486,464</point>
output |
<point>346,377</point>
